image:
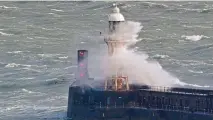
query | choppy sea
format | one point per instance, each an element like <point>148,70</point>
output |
<point>38,43</point>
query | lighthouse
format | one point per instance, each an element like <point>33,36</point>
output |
<point>117,81</point>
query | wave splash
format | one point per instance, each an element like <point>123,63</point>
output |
<point>136,66</point>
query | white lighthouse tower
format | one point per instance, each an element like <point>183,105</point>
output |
<point>118,81</point>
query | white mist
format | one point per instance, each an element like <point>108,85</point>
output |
<point>135,65</point>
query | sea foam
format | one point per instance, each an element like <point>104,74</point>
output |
<point>194,37</point>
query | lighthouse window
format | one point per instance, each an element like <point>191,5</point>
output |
<point>113,24</point>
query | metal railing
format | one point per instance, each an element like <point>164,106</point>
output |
<point>136,105</point>
<point>169,90</point>
<point>154,88</point>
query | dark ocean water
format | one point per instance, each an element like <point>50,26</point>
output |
<point>38,43</point>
